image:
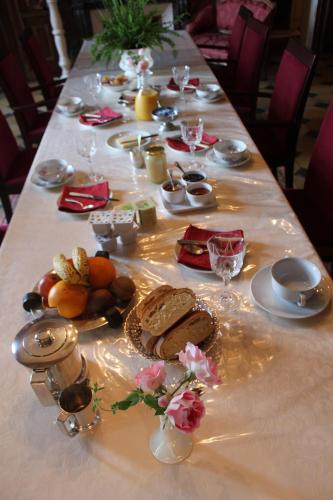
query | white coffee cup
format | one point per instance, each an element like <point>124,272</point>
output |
<point>295,279</point>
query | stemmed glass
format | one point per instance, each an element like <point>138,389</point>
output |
<point>226,261</point>
<point>87,148</point>
<point>94,87</point>
<point>181,78</point>
<point>191,131</point>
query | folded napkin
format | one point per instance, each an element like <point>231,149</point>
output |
<point>101,189</point>
<point>106,115</point>
<point>178,143</point>
<point>172,85</point>
<point>196,233</point>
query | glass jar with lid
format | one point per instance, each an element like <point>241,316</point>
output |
<point>156,164</point>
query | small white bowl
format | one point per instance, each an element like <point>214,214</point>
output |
<point>52,170</point>
<point>70,105</point>
<point>199,193</point>
<point>230,150</point>
<point>173,196</point>
<point>194,176</point>
<point>208,91</point>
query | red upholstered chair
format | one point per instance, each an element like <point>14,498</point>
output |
<point>14,166</point>
<point>50,87</point>
<point>243,89</point>
<point>276,137</point>
<point>212,25</point>
<point>314,204</point>
<point>3,229</point>
<point>12,79</point>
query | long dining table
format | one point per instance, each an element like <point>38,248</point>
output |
<point>268,429</point>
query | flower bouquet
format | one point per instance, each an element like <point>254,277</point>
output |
<point>180,408</point>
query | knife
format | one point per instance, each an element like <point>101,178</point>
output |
<point>204,243</point>
<point>92,196</point>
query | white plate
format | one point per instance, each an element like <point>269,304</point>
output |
<point>187,153</point>
<point>211,156</point>
<point>210,100</point>
<point>70,171</point>
<point>185,206</point>
<point>112,141</point>
<point>73,114</point>
<point>264,296</point>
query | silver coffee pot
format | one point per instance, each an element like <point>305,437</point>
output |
<point>49,346</point>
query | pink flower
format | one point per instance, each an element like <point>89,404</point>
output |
<point>163,401</point>
<point>142,65</point>
<point>205,369</point>
<point>149,379</point>
<point>185,411</point>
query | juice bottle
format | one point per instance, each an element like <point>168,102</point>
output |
<point>146,100</point>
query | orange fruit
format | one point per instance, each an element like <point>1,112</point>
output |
<point>70,300</point>
<point>101,272</point>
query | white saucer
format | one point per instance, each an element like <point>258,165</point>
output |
<point>70,171</point>
<point>209,100</point>
<point>71,114</point>
<point>264,296</point>
<point>211,156</point>
<point>113,144</point>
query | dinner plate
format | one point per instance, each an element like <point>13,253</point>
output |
<point>264,296</point>
<point>103,124</point>
<point>187,153</point>
<point>70,171</point>
<point>133,331</point>
<point>211,100</point>
<point>113,144</point>
<point>211,156</point>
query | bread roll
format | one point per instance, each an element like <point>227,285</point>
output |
<point>166,309</point>
<point>147,300</point>
<point>195,328</point>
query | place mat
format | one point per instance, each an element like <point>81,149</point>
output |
<point>178,144</point>
<point>106,114</point>
<point>172,85</point>
<point>101,189</point>
<point>196,233</point>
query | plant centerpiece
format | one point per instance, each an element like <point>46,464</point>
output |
<point>129,33</point>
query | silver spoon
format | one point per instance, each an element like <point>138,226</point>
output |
<point>195,249</point>
<point>82,205</point>
<point>178,166</point>
<point>171,179</point>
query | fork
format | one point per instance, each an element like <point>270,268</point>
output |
<point>82,205</point>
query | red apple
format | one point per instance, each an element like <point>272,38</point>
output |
<point>46,283</point>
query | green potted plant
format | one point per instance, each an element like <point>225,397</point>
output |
<point>129,33</point>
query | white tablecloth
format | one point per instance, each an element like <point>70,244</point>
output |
<point>268,432</point>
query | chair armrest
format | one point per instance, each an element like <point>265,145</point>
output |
<point>34,105</point>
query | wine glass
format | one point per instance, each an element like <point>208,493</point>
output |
<point>191,132</point>
<point>226,261</point>
<point>94,87</point>
<point>87,148</point>
<point>181,78</point>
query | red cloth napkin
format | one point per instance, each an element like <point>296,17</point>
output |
<point>178,143</point>
<point>101,189</point>
<point>196,233</point>
<point>107,115</point>
<point>173,86</point>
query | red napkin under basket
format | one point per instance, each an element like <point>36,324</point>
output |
<point>178,143</point>
<point>101,189</point>
<point>196,233</point>
<point>106,115</point>
<point>172,85</point>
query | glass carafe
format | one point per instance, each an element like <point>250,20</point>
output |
<point>146,100</point>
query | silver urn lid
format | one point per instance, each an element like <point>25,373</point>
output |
<point>45,342</point>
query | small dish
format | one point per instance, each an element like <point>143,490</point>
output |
<point>165,115</point>
<point>199,193</point>
<point>68,175</point>
<point>230,150</point>
<point>116,83</point>
<point>208,91</point>
<point>194,176</point>
<point>213,158</point>
<point>264,296</point>
<point>52,171</point>
<point>113,140</point>
<point>185,206</point>
<point>70,105</point>
<point>171,195</point>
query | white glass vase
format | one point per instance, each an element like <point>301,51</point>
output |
<point>168,444</point>
<point>130,59</point>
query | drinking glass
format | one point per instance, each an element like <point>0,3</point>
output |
<point>94,87</point>
<point>191,131</point>
<point>87,148</point>
<point>181,78</point>
<point>226,261</point>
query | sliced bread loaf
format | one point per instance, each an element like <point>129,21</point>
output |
<point>166,309</point>
<point>148,341</point>
<point>195,328</point>
<point>151,297</point>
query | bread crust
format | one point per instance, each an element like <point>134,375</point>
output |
<point>166,309</point>
<point>195,328</point>
<point>147,300</point>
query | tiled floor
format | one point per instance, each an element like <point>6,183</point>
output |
<point>320,95</point>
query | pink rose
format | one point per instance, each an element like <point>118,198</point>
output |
<point>185,411</point>
<point>149,379</point>
<point>143,65</point>
<point>163,401</point>
<point>205,369</point>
